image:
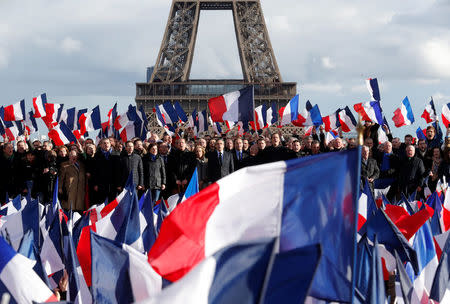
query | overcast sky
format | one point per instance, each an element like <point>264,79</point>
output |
<point>84,53</point>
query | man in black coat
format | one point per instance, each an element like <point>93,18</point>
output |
<point>107,174</point>
<point>220,162</point>
<point>8,168</point>
<point>239,155</point>
<point>276,151</point>
<point>369,168</point>
<point>411,172</point>
<point>181,165</point>
<point>132,162</point>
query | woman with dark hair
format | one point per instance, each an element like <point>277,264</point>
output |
<point>154,172</point>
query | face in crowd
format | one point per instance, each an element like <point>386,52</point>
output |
<point>276,140</point>
<point>430,133</point>
<point>238,144</point>
<point>388,147</point>
<point>365,152</point>
<point>261,144</point>
<point>105,145</point>
<point>296,147</point>
<point>315,148</point>
<point>410,151</point>
<point>129,147</point>
<point>220,145</point>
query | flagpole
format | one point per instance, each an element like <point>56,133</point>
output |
<point>360,130</point>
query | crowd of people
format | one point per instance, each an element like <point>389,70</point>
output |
<point>88,174</point>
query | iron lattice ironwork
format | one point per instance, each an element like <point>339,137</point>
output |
<point>170,78</point>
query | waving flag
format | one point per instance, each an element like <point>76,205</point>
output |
<point>260,118</point>
<point>30,123</point>
<point>19,278</point>
<point>313,114</point>
<point>128,132</point>
<point>202,122</point>
<point>372,86</point>
<point>271,114</point>
<point>291,112</point>
<point>53,111</point>
<point>235,106</point>
<point>77,291</point>
<point>90,121</point>
<point>446,115</point>
<point>192,119</point>
<point>192,188</point>
<point>233,274</point>
<point>201,225</point>
<point>180,112</point>
<point>61,135</point>
<point>15,111</point>
<point>421,133</point>
<point>130,277</point>
<point>168,113</point>
<point>347,120</point>
<point>429,114</point>
<point>39,105</point>
<point>370,111</point>
<point>426,255</point>
<point>331,121</point>
<point>403,116</point>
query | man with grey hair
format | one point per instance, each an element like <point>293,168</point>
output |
<point>369,168</point>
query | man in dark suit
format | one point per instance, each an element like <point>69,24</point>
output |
<point>411,173</point>
<point>107,173</point>
<point>220,162</point>
<point>369,168</point>
<point>239,155</point>
<point>132,162</point>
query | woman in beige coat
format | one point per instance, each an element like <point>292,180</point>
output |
<point>72,183</point>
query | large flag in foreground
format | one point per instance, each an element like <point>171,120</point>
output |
<point>284,199</point>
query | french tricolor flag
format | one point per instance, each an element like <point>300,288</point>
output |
<point>429,114</point>
<point>372,86</point>
<point>19,279</point>
<point>128,132</point>
<point>15,111</point>
<point>403,116</point>
<point>370,111</point>
<point>421,133</point>
<point>53,111</point>
<point>90,121</point>
<point>61,135</point>
<point>235,106</point>
<point>30,123</point>
<point>39,105</point>
<point>260,118</point>
<point>201,124</point>
<point>347,120</point>
<point>168,113</point>
<point>331,121</point>
<point>121,121</point>
<point>446,115</point>
<point>291,112</point>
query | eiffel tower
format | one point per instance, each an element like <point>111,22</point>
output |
<point>170,77</point>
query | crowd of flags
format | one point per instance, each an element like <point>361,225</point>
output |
<point>66,126</point>
<point>232,110</point>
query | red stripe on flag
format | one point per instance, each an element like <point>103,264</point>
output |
<point>217,107</point>
<point>398,118</point>
<point>183,231</point>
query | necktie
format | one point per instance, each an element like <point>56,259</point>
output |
<point>220,158</point>
<point>240,155</point>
